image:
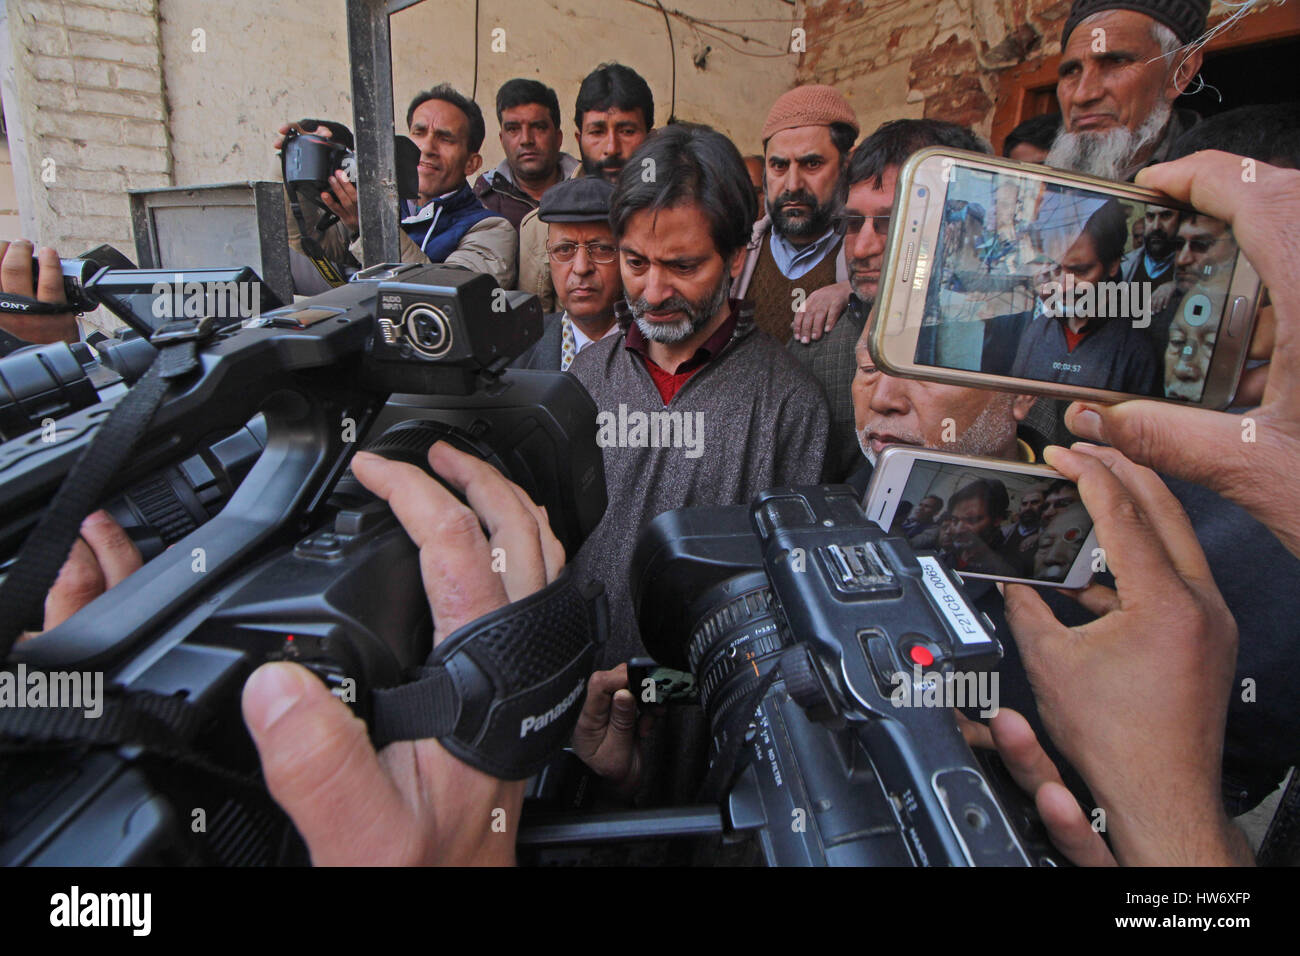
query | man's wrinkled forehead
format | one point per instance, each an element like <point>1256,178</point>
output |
<point>1202,227</point>
<point>865,199</point>
<point>1126,33</point>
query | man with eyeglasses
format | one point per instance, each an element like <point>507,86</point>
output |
<point>1203,252</point>
<point>584,270</point>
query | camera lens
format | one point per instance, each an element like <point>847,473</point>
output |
<point>734,643</point>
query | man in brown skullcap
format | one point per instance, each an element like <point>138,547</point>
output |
<point>793,251</point>
<point>1123,63</point>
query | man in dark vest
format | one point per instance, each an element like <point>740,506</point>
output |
<point>864,222</point>
<point>793,252</point>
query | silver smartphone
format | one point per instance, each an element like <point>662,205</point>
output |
<point>988,518</point>
<point>1023,278</point>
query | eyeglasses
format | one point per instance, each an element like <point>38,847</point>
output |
<point>601,252</point>
<point>1199,246</point>
<point>850,224</point>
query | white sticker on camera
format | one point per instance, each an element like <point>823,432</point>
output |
<point>965,622</point>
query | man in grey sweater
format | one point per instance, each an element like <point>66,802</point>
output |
<point>695,407</point>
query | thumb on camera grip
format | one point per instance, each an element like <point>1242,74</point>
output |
<point>321,769</point>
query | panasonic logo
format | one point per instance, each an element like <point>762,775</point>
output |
<point>529,724</point>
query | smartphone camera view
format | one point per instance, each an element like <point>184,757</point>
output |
<point>1056,283</point>
<point>994,523</point>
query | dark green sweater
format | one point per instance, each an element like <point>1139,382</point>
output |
<point>765,422</point>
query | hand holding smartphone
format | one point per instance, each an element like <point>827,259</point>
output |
<point>986,517</point>
<point>1027,279</point>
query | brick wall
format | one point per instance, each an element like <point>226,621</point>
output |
<point>941,59</point>
<point>91,114</point>
<point>925,58</point>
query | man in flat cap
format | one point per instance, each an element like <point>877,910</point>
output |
<point>793,251</point>
<point>583,258</point>
<point>1123,63</point>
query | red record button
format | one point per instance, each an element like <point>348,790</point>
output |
<point>920,655</point>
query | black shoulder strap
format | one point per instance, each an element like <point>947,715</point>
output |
<point>22,593</point>
<point>733,758</point>
<point>26,305</point>
<point>159,725</point>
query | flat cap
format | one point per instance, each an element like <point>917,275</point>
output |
<point>1185,17</point>
<point>577,200</point>
<point>812,105</point>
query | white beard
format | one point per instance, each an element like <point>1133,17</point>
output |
<point>991,431</point>
<point>866,448</point>
<point>1108,154</point>
<point>670,333</point>
<point>666,333</point>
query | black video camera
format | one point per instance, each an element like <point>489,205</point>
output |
<point>275,553</point>
<point>309,160</point>
<point>40,384</point>
<point>828,658</point>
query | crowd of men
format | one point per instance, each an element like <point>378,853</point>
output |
<point>979,529</point>
<point>740,290</point>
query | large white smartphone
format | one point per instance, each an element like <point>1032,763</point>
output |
<point>1023,278</point>
<point>988,518</point>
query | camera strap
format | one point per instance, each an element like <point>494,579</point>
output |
<point>46,547</point>
<point>9,302</point>
<point>503,693</point>
<point>157,725</point>
<point>733,757</point>
<point>311,246</point>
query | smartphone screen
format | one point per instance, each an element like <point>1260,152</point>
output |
<point>991,522</point>
<point>1058,283</point>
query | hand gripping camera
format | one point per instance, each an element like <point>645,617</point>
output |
<point>811,634</point>
<point>268,549</point>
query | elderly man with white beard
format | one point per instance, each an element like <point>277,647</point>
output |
<point>975,421</point>
<point>1123,63</point>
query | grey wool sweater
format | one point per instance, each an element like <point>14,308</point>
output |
<point>751,418</point>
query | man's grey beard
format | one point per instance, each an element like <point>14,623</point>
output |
<point>993,429</point>
<point>697,315</point>
<point>1108,154</point>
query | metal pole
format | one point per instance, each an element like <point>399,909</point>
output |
<point>370,56</point>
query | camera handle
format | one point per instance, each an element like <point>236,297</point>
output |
<point>22,593</point>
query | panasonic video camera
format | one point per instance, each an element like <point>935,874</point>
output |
<point>259,546</point>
